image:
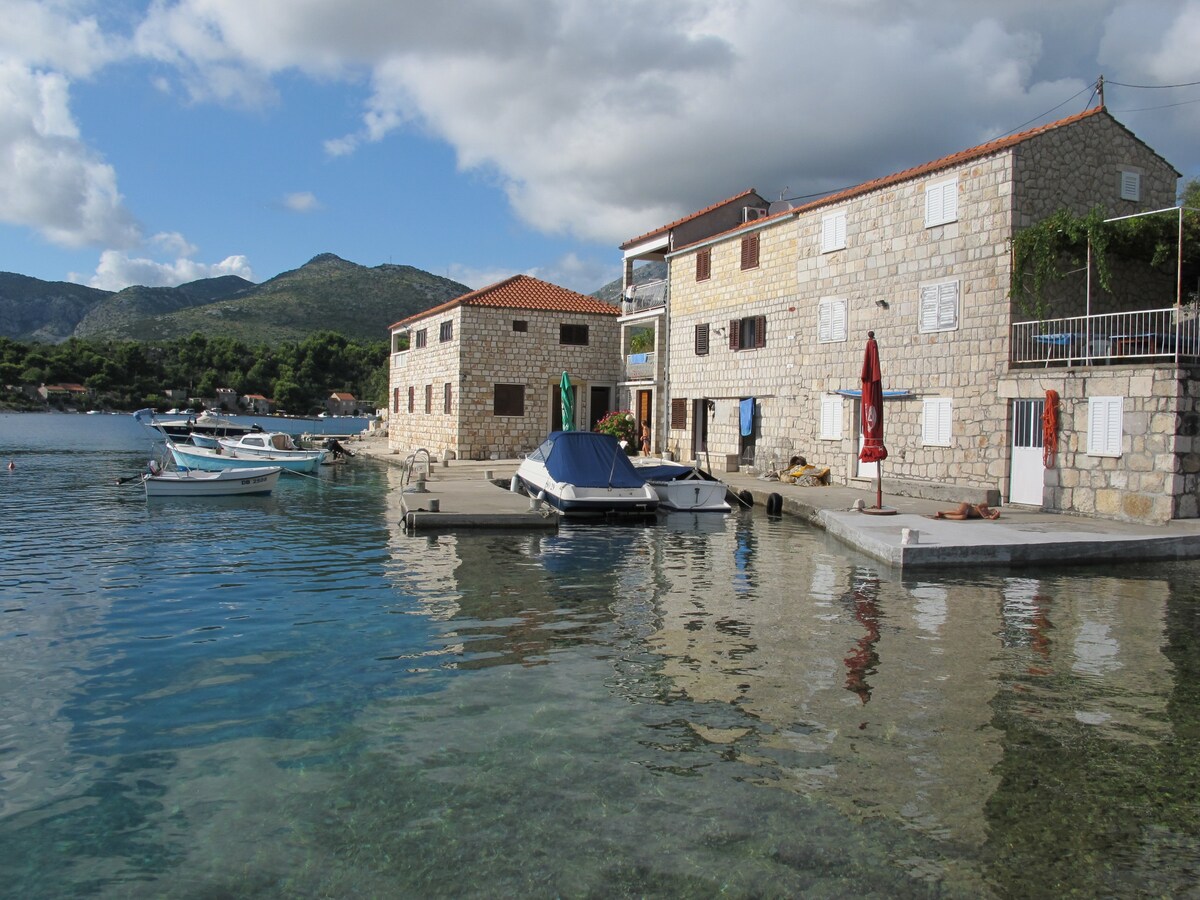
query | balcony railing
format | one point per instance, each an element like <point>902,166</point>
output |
<point>1156,335</point>
<point>640,366</point>
<point>644,296</point>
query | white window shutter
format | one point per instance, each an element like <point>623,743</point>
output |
<point>929,308</point>
<point>839,320</point>
<point>833,231</point>
<point>831,417</point>
<point>831,320</point>
<point>941,202</point>
<point>1131,185</point>
<point>1105,426</point>
<point>947,306</point>
<point>935,422</point>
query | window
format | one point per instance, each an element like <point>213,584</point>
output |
<point>428,399</point>
<point>520,325</point>
<point>833,231</point>
<point>704,264</point>
<point>446,332</point>
<point>401,342</point>
<point>935,422</point>
<point>831,417</point>
<point>702,340</point>
<point>750,251</point>
<point>941,202</point>
<point>395,400</point>
<point>1105,425</point>
<point>1131,185</point>
<point>576,335</point>
<point>748,334</point>
<point>679,413</point>
<point>508,400</point>
<point>412,399</point>
<point>939,307</point>
<point>419,340</point>
<point>831,320</point>
<point>447,393</point>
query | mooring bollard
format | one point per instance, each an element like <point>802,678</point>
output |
<point>435,505</point>
<point>489,474</point>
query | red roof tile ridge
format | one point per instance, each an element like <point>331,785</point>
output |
<point>520,292</point>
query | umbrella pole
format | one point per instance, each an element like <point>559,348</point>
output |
<point>879,485</point>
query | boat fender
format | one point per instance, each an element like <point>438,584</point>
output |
<point>746,497</point>
<point>153,467</point>
<point>514,485</point>
<point>774,504</point>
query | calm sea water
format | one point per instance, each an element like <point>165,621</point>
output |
<point>288,696</point>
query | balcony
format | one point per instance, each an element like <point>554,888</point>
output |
<point>1149,335</point>
<point>640,297</point>
<point>641,366</point>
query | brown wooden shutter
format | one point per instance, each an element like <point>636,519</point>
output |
<point>704,264</point>
<point>735,334</point>
<point>750,251</point>
<point>679,413</point>
<point>760,331</point>
<point>702,340</point>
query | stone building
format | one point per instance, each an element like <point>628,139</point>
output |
<point>767,323</point>
<point>479,377</point>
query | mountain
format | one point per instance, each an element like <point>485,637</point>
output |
<point>326,293</point>
<point>46,311</point>
<point>119,313</point>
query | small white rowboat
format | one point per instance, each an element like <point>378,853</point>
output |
<point>225,483</point>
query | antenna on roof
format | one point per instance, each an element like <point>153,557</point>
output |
<point>786,188</point>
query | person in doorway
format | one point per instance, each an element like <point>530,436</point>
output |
<point>644,438</point>
<point>969,511</point>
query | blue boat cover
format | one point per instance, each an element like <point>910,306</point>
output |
<point>587,459</point>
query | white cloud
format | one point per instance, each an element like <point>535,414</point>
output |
<point>50,180</point>
<point>301,202</point>
<point>117,270</point>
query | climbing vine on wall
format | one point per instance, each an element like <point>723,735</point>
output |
<point>1057,246</point>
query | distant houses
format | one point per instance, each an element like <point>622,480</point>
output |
<point>341,403</point>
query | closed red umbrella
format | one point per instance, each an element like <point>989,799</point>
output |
<point>873,449</point>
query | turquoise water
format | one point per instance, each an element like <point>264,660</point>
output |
<point>289,697</point>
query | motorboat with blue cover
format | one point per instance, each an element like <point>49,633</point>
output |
<point>583,473</point>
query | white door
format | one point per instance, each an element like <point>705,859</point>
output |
<point>1027,477</point>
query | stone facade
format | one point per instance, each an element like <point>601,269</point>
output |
<point>489,346</point>
<point>954,424</point>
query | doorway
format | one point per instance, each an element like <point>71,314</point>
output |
<point>1028,475</point>
<point>599,404</point>
<point>644,406</point>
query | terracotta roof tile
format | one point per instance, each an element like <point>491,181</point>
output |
<point>672,225</point>
<point>521,292</point>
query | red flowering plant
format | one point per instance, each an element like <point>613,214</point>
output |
<point>620,424</point>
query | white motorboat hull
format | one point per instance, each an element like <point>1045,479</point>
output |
<point>574,500</point>
<point>225,483</point>
<point>217,460</point>
<point>692,495</point>
<point>269,445</point>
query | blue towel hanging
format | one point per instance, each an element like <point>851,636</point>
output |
<point>748,417</point>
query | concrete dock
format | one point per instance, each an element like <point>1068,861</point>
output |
<point>474,494</point>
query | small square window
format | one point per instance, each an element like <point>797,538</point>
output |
<point>831,320</point>
<point>749,333</point>
<point>1105,426</point>
<point>419,339</point>
<point>935,422</point>
<point>939,307</point>
<point>521,325</point>
<point>446,332</point>
<point>508,400</point>
<point>574,335</point>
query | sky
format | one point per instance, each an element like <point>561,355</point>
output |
<point>160,142</point>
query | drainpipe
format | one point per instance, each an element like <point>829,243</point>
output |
<point>665,421</point>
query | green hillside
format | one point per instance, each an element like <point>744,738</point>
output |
<point>44,311</point>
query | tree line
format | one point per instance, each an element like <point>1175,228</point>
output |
<point>127,375</point>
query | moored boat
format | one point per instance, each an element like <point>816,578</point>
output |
<point>584,473</point>
<point>273,444</point>
<point>224,483</point>
<point>683,488</point>
<point>208,460</point>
